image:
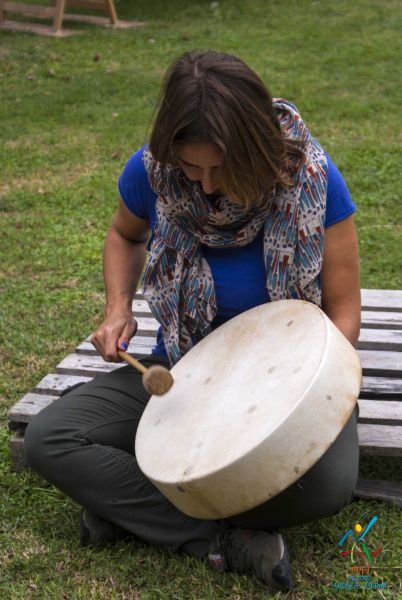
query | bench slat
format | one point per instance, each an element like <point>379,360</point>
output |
<point>381,388</point>
<point>56,383</point>
<point>382,440</point>
<point>374,489</point>
<point>385,363</point>
<point>381,320</point>
<point>380,339</point>
<point>141,308</point>
<point>382,300</point>
<point>387,412</point>
<point>83,364</point>
<point>26,408</point>
<point>147,325</point>
<point>139,345</point>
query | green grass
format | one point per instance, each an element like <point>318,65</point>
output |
<point>72,111</point>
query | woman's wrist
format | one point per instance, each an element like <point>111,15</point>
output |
<point>119,307</point>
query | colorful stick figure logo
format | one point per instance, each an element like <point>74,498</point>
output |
<point>357,529</point>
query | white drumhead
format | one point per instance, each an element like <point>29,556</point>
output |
<point>254,405</point>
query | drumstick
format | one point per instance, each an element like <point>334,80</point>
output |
<point>156,379</point>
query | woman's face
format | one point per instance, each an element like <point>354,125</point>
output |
<point>201,162</point>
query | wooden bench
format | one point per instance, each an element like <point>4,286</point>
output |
<point>56,12</point>
<point>380,401</point>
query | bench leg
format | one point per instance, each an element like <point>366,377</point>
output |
<point>384,491</point>
<point>2,11</point>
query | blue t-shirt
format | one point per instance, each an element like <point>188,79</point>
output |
<point>239,273</point>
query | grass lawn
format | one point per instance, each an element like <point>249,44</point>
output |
<point>72,111</point>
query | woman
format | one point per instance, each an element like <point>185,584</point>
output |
<point>243,207</point>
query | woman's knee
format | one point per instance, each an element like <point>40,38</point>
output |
<point>33,442</point>
<point>45,437</point>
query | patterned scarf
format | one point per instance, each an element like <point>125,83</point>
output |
<point>178,283</point>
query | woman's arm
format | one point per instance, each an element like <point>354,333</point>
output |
<point>340,278</point>
<point>123,260</point>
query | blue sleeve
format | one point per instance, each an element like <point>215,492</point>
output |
<point>339,201</point>
<point>135,190</point>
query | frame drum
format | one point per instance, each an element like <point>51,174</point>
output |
<point>254,405</point>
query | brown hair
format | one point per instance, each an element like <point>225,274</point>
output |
<point>209,96</point>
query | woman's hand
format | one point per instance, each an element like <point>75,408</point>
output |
<point>115,332</point>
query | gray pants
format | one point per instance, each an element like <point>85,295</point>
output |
<point>83,443</point>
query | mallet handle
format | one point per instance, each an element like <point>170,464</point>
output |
<point>132,361</point>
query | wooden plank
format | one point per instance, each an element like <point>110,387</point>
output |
<point>139,345</point>
<point>384,363</point>
<point>30,10</point>
<point>105,21</point>
<point>381,319</point>
<point>55,383</point>
<point>89,4</point>
<point>382,440</point>
<point>381,388</point>
<point>38,29</point>
<point>382,300</point>
<point>17,452</point>
<point>386,491</point>
<point>91,364</point>
<point>147,325</point>
<point>387,412</point>
<point>86,365</point>
<point>26,408</point>
<point>141,308</point>
<point>380,339</point>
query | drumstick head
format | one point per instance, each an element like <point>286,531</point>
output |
<point>157,380</point>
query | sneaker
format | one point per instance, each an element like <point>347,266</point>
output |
<point>98,532</point>
<point>263,554</point>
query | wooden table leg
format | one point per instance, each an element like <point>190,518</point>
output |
<point>112,11</point>
<point>58,15</point>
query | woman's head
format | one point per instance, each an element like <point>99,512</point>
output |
<point>214,101</point>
